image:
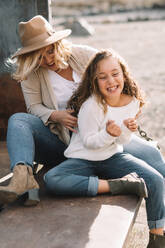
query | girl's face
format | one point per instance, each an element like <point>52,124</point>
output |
<point>48,58</point>
<point>110,78</point>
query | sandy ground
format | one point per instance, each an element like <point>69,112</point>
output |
<point>142,46</point>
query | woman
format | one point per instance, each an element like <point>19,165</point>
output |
<point>49,70</point>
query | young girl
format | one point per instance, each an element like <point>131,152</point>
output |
<point>107,102</point>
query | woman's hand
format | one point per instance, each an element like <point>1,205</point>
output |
<point>113,129</point>
<point>131,124</point>
<point>65,118</point>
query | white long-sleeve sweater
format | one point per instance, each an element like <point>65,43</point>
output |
<point>92,142</point>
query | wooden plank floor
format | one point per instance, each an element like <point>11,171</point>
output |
<point>97,222</point>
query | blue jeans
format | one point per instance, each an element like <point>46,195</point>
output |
<point>29,140</point>
<point>146,151</point>
<point>78,177</point>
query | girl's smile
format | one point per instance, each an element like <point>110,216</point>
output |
<point>112,89</point>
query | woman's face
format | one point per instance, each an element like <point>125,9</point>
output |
<point>47,61</point>
<point>110,78</point>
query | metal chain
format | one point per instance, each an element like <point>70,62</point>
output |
<point>144,135</point>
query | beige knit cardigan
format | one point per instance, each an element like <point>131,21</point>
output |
<point>39,95</point>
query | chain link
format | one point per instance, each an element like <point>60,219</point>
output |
<point>144,135</point>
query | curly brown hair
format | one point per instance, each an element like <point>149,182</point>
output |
<point>89,84</point>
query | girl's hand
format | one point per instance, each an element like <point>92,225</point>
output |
<point>65,118</point>
<point>113,129</point>
<point>131,124</point>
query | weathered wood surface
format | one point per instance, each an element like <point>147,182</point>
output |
<point>66,222</point>
<point>99,222</point>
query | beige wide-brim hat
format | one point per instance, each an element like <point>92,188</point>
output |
<point>38,33</point>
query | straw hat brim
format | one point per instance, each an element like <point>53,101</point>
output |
<point>59,35</point>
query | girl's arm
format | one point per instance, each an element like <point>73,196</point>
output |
<point>90,119</point>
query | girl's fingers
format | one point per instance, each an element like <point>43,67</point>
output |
<point>133,127</point>
<point>110,122</point>
<point>132,124</point>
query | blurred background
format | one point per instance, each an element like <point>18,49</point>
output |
<point>136,29</point>
<point>95,7</point>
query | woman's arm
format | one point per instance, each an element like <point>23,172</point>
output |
<point>33,98</point>
<point>31,89</point>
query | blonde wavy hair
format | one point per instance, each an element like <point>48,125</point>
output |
<point>89,85</point>
<point>31,61</point>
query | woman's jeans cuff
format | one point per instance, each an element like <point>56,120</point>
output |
<point>93,186</point>
<point>156,224</point>
<point>20,162</point>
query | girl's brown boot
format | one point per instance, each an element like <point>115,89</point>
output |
<point>156,241</point>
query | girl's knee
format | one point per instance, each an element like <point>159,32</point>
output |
<point>55,183</point>
<point>52,177</point>
<point>47,177</point>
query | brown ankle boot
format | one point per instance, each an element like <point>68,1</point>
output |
<point>21,182</point>
<point>129,184</point>
<point>156,241</point>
